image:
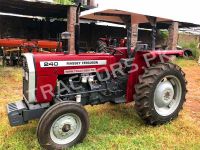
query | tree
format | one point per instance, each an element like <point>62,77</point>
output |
<point>64,2</point>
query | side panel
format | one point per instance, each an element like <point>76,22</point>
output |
<point>45,88</point>
<point>60,64</point>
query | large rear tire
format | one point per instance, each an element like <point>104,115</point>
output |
<point>160,93</point>
<point>63,125</point>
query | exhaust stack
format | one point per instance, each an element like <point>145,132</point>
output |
<point>77,26</point>
<point>65,36</point>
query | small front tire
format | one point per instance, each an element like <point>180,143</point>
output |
<point>63,125</point>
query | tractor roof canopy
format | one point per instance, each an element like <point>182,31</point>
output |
<point>117,16</point>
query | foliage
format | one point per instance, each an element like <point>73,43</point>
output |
<point>164,34</point>
<point>64,2</point>
<point>192,45</point>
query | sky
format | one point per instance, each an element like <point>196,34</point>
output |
<point>178,10</point>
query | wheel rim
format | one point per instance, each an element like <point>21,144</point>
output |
<point>167,95</point>
<point>65,129</point>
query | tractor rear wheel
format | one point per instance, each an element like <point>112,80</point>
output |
<point>63,125</point>
<point>160,93</point>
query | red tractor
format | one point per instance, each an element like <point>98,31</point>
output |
<point>56,86</point>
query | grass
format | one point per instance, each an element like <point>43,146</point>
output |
<point>192,45</point>
<point>111,126</point>
<point>186,63</point>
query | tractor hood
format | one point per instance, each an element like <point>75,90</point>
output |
<point>60,63</point>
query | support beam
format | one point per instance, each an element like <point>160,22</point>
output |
<point>153,22</point>
<point>0,27</point>
<point>129,39</point>
<point>134,35</point>
<point>71,21</point>
<point>92,3</point>
<point>173,36</point>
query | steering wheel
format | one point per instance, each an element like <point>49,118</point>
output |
<point>112,50</point>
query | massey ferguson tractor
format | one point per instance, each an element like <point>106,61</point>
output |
<point>57,86</point>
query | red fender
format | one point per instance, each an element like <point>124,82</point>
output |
<point>142,60</point>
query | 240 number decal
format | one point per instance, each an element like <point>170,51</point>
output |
<point>50,64</point>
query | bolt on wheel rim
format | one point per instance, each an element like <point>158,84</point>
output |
<point>167,95</point>
<point>65,129</point>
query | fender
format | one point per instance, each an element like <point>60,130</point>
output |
<point>142,60</point>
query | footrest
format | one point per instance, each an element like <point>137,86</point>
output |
<point>15,113</point>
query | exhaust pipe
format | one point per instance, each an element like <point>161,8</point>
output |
<point>65,36</point>
<point>77,27</point>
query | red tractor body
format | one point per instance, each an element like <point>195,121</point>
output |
<point>49,67</point>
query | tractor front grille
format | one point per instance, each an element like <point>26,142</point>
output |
<point>25,79</point>
<point>29,78</point>
<point>25,64</point>
<point>25,88</point>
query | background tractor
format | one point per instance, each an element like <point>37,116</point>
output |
<point>104,43</point>
<point>57,85</point>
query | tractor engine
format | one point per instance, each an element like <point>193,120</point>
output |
<point>46,81</point>
<point>91,89</point>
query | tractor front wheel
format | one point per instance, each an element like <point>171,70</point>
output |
<point>160,93</point>
<point>63,125</point>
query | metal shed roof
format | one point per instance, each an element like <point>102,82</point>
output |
<point>115,15</point>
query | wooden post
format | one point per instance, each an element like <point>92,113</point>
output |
<point>134,32</point>
<point>0,27</point>
<point>71,21</point>
<point>134,35</point>
<point>173,36</point>
<point>92,3</point>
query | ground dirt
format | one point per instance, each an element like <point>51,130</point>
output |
<point>193,96</point>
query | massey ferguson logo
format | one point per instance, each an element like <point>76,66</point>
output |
<point>48,64</point>
<point>82,63</point>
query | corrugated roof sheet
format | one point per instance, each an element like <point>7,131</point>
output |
<point>33,8</point>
